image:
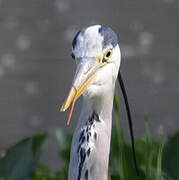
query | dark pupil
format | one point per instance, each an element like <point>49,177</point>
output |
<point>73,56</point>
<point>108,54</point>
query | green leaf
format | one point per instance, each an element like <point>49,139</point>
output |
<point>17,162</point>
<point>171,156</point>
<point>43,173</point>
<point>64,139</point>
<point>159,160</point>
<point>38,141</point>
<point>21,159</point>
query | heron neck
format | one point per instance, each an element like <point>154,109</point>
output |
<point>98,114</point>
<point>102,105</point>
<point>91,140</point>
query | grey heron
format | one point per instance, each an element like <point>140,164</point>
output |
<point>97,53</point>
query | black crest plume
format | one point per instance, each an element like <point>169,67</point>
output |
<point>129,120</point>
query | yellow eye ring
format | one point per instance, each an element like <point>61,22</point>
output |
<point>107,55</point>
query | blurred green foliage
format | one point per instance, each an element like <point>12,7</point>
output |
<point>171,156</point>
<point>22,159</point>
<point>156,160</point>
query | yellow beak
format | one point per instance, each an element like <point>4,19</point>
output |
<point>84,74</point>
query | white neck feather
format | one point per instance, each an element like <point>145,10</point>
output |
<point>96,163</point>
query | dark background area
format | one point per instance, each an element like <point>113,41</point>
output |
<point>36,68</point>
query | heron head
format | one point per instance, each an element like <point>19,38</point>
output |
<point>96,51</point>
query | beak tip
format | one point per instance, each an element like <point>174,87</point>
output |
<point>62,109</point>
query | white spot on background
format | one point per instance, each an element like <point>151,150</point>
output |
<point>8,60</point>
<point>23,42</point>
<point>62,6</point>
<point>154,72</point>
<point>142,47</point>
<point>128,51</point>
<point>31,88</point>
<point>158,77</point>
<point>11,23</point>
<point>35,121</point>
<point>145,39</point>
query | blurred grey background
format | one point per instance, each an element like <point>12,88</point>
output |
<point>36,68</point>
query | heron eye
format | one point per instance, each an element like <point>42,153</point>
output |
<point>107,56</point>
<point>72,55</point>
<point>74,58</point>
